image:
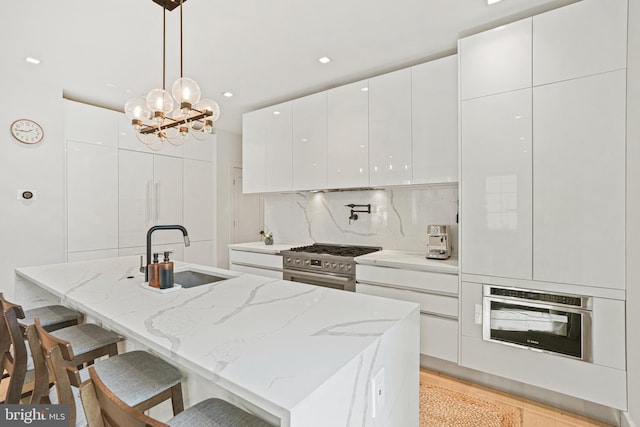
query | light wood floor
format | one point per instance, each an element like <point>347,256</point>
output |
<point>533,414</point>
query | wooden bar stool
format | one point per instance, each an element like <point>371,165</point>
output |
<point>88,340</point>
<point>52,317</point>
<point>137,377</point>
<point>104,408</point>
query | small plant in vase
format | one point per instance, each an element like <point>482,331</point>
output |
<point>267,237</point>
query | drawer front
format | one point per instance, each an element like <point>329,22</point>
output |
<point>257,259</point>
<point>419,280</point>
<point>256,271</point>
<point>439,337</point>
<point>439,305</point>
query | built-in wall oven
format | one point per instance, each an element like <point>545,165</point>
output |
<point>549,322</point>
<point>324,264</point>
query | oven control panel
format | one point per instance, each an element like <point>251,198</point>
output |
<point>316,264</point>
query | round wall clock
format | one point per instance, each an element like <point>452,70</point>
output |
<point>27,131</point>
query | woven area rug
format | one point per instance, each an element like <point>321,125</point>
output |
<point>440,407</point>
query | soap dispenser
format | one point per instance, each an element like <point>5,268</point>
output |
<point>154,272</point>
<point>166,272</point>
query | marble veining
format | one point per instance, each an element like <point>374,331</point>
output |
<point>398,219</point>
<point>302,353</point>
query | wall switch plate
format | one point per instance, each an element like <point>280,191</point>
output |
<point>378,393</point>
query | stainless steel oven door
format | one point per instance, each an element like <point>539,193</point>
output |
<point>327,280</point>
<point>550,328</point>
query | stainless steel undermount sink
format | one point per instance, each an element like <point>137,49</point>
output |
<point>190,279</point>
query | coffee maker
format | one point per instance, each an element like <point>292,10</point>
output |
<point>438,242</point>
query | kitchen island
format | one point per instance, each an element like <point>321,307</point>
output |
<point>294,354</point>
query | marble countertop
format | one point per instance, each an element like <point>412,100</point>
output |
<point>260,247</point>
<point>269,341</point>
<point>409,261</point>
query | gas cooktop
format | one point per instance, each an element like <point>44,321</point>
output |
<point>335,250</point>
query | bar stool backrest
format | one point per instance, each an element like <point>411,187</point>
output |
<point>114,412</point>
<point>14,351</point>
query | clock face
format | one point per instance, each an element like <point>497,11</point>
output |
<point>27,131</point>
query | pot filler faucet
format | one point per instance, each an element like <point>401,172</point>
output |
<point>187,242</point>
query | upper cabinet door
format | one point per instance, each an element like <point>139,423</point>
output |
<point>390,129</point>
<point>585,38</point>
<point>434,88</point>
<point>199,216</point>
<point>254,144</point>
<point>496,61</point>
<point>135,204</point>
<point>579,181</point>
<point>496,185</point>
<point>86,123</point>
<point>167,197</point>
<point>348,133</point>
<point>92,197</point>
<point>310,142</point>
<point>279,159</point>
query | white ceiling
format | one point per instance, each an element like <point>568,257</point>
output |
<point>264,51</point>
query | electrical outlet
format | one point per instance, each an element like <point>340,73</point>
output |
<point>378,393</point>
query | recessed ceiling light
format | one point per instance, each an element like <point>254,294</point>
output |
<point>276,112</point>
<point>32,60</point>
<point>227,94</point>
<point>364,89</point>
<point>493,1</point>
<point>324,60</point>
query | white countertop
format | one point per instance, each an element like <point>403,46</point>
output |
<point>409,261</point>
<point>271,342</point>
<point>260,247</point>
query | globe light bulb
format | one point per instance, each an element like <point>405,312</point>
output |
<point>160,100</point>
<point>186,91</point>
<point>136,109</point>
<point>211,105</point>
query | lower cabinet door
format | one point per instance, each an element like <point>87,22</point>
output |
<point>439,337</point>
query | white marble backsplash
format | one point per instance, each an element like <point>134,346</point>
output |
<point>398,219</point>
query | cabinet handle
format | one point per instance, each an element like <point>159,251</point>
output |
<point>157,188</point>
<point>148,215</point>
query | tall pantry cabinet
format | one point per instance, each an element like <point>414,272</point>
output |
<point>543,147</point>
<point>117,189</point>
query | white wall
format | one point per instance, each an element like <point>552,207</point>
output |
<point>633,214</point>
<point>31,232</point>
<point>398,219</point>
<point>229,153</point>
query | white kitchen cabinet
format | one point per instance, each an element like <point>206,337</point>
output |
<point>390,129</point>
<point>496,190</point>
<point>150,193</point>
<point>261,264</point>
<point>348,135</point>
<point>254,151</point>
<point>309,142</point>
<point>579,181</point>
<point>437,294</point>
<point>496,61</point>
<point>434,112</point>
<point>200,253</point>
<point>198,200</point>
<point>92,197</point>
<point>585,38</point>
<point>279,159</point>
<point>135,205</point>
<point>89,124</point>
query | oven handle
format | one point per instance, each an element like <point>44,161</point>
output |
<point>528,303</point>
<point>324,277</point>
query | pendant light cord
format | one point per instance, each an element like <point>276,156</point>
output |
<point>180,38</point>
<point>164,46</point>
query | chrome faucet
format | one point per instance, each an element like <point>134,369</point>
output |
<point>187,242</point>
